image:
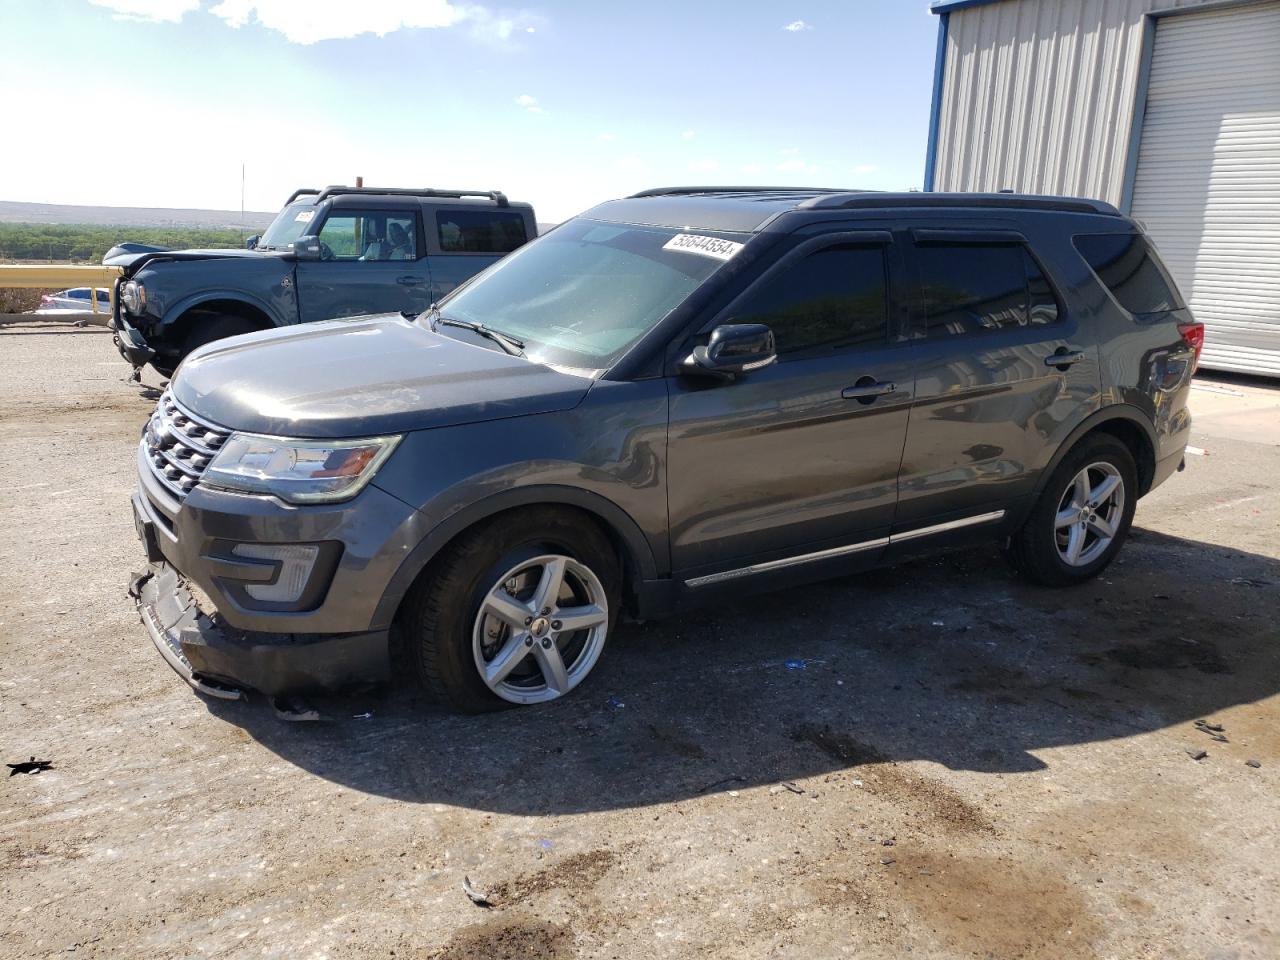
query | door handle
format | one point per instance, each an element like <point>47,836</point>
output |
<point>410,281</point>
<point>867,389</point>
<point>1063,358</point>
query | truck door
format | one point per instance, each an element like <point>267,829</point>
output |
<point>372,261</point>
<point>466,239</point>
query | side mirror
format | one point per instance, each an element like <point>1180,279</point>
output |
<point>306,248</point>
<point>733,349</point>
<point>252,242</point>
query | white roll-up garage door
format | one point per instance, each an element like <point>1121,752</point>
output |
<point>1208,177</point>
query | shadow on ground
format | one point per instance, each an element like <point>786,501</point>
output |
<point>951,660</point>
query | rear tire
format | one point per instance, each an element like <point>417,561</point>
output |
<point>1082,517</point>
<point>452,642</point>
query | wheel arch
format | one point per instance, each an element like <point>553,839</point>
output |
<point>232,302</point>
<point>634,550</point>
<point>1122,421</point>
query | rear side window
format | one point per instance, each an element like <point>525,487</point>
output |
<point>480,231</point>
<point>1126,264</point>
<point>974,288</point>
<point>834,297</point>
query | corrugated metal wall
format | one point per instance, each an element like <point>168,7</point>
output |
<point>1038,95</point>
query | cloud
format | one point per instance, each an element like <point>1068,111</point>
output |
<point>865,168</point>
<point>796,26</point>
<point>792,165</point>
<point>606,137</point>
<point>315,20</point>
<point>528,103</point>
<point>630,163</point>
<point>168,11</point>
<point>751,168</point>
<point>688,134</point>
<point>789,151</point>
<point>705,165</point>
<point>496,28</point>
<point>319,20</point>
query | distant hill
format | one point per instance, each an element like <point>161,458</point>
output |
<point>13,211</point>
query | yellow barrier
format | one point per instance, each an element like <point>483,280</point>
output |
<point>45,275</point>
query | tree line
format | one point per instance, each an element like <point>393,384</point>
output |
<point>85,243</point>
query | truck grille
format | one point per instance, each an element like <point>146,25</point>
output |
<point>180,446</point>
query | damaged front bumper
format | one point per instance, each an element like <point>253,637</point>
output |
<point>222,662</point>
<point>130,342</point>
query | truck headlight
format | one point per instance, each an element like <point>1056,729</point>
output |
<point>134,297</point>
<point>299,471</point>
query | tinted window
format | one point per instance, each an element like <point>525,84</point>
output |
<point>834,297</point>
<point>1129,268</point>
<point>370,236</point>
<point>972,288</point>
<point>480,231</point>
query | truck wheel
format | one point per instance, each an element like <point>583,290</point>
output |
<point>1082,517</point>
<point>217,326</point>
<point>516,612</point>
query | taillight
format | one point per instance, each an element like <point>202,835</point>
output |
<point>1193,336</point>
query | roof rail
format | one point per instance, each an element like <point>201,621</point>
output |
<point>497,196</point>
<point>298,193</point>
<point>685,191</point>
<point>848,201</point>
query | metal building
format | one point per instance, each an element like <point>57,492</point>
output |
<point>1169,109</point>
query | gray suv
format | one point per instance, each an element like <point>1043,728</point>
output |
<point>669,399</point>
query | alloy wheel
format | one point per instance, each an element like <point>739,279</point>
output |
<point>540,629</point>
<point>1089,514</point>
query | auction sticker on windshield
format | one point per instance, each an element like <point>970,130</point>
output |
<point>703,246</point>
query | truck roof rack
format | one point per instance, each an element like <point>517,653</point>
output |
<point>497,196</point>
<point>298,193</point>
<point>853,201</point>
<point>687,191</point>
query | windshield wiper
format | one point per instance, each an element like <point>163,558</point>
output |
<point>508,343</point>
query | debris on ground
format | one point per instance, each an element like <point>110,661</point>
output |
<point>615,703</point>
<point>362,716</point>
<point>721,783</point>
<point>887,860</point>
<point>1196,451</point>
<point>294,709</point>
<point>1250,582</point>
<point>794,664</point>
<point>32,766</point>
<point>1197,754</point>
<point>477,897</point>
<point>1256,764</point>
<point>1214,730</point>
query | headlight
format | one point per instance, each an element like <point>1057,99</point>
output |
<point>299,471</point>
<point>134,297</point>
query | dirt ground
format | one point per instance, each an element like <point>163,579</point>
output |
<point>954,764</point>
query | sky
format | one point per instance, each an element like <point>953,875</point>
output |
<point>562,103</point>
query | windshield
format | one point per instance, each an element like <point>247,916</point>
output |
<point>288,225</point>
<point>583,294</point>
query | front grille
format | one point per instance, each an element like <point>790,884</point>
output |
<point>180,446</point>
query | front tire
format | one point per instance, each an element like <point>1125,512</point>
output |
<point>515,612</point>
<point>1082,517</point>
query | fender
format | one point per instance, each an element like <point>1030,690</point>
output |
<point>1115,411</point>
<point>642,565</point>
<point>194,300</point>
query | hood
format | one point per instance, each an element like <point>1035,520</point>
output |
<point>134,260</point>
<point>363,377</point>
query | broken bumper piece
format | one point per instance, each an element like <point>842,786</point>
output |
<point>222,662</point>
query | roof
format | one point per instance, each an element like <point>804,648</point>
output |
<point>947,6</point>
<point>750,209</point>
